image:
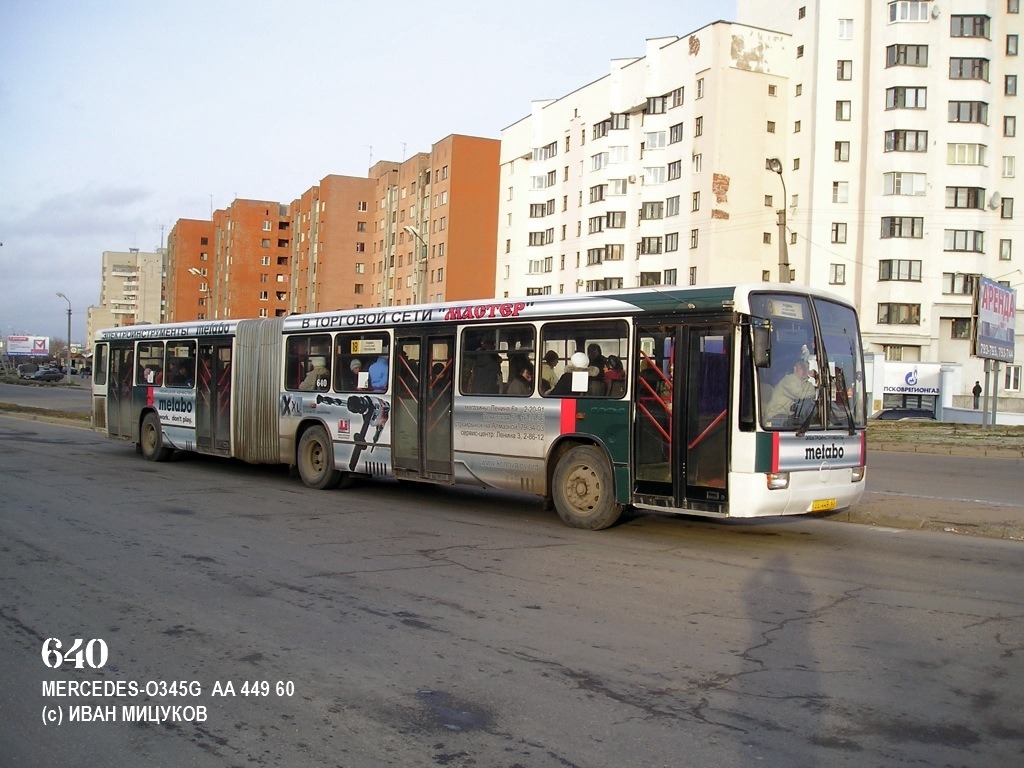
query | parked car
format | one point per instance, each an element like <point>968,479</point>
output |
<point>47,374</point>
<point>903,414</point>
<point>25,370</point>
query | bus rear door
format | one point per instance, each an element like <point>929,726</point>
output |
<point>213,398</point>
<point>120,417</point>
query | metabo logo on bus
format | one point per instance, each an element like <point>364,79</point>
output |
<point>481,311</point>
<point>818,452</point>
<point>174,405</point>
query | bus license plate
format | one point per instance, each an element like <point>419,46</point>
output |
<point>823,505</point>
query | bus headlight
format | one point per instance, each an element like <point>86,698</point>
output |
<point>857,474</point>
<point>777,480</point>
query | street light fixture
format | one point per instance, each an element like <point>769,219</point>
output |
<point>421,266</point>
<point>69,332</point>
<point>775,166</point>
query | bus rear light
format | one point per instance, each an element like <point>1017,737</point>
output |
<point>857,474</point>
<point>777,480</point>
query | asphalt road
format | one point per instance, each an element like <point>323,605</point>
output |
<point>425,627</point>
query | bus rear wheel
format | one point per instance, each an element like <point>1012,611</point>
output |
<point>316,459</point>
<point>583,489</point>
<point>151,439</point>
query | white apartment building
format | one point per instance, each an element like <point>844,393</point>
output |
<point>903,135</point>
<point>653,174</point>
<point>131,291</point>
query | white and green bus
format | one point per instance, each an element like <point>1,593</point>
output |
<point>727,401</point>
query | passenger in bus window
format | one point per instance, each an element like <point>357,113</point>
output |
<point>578,363</point>
<point>318,376</point>
<point>356,367</point>
<point>614,377</point>
<point>379,374</point>
<point>487,369</point>
<point>548,374</point>
<point>185,375</point>
<point>521,382</point>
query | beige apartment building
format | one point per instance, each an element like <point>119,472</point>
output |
<point>131,290</point>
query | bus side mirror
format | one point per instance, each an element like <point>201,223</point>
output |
<point>762,346</point>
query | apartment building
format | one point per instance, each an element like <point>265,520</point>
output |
<point>900,162</point>
<point>434,224</point>
<point>332,244</point>
<point>131,290</point>
<point>252,256</point>
<point>189,265</point>
<point>654,174</point>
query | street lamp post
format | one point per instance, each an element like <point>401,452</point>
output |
<point>775,165</point>
<point>69,332</point>
<point>421,266</point>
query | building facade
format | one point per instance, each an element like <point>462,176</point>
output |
<point>131,290</point>
<point>434,224</point>
<point>189,265</point>
<point>652,175</point>
<point>900,162</point>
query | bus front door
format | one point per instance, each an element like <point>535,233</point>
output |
<point>681,421</point>
<point>213,398</point>
<point>422,407</point>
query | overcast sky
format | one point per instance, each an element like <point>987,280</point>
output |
<point>117,118</point>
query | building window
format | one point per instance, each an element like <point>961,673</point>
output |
<point>899,183</point>
<point>694,238</point>
<point>596,194</point>
<point>906,56</point>
<point>655,175</point>
<point>671,242</point>
<point>1010,85</point>
<point>964,240</point>
<point>672,205</point>
<point>837,274</point>
<point>799,51</point>
<point>650,245</point>
<point>616,219</point>
<point>965,197</point>
<point>698,126</point>
<point>840,191</point>
<point>1013,6</point>
<point>771,126</point>
<point>838,232</point>
<point>906,141</point>
<point>902,226</point>
<point>844,69</point>
<point>766,238</point>
<point>655,210</point>
<point>968,69</point>
<point>698,163</point>
<point>796,127</point>
<point>1009,126</point>
<point>614,252</point>
<point>908,270</point>
<point>1005,250</point>
<point>960,328</point>
<point>968,112</point>
<point>966,154</point>
<point>695,202</point>
<point>675,170</point>
<point>842,152</point>
<point>957,283</point>
<point>969,26</point>
<point>693,275</point>
<point>1011,379</point>
<point>899,314</point>
<point>594,256</point>
<point>846,29</point>
<point>843,111</point>
<point>675,133</point>
<point>909,10</point>
<point>1011,45</point>
<point>903,97</point>
<point>1006,208</point>
<point>670,277</point>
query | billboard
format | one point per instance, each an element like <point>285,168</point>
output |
<point>911,378</point>
<point>28,346</point>
<point>995,311</point>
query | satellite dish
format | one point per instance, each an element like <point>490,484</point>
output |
<point>993,202</point>
<point>935,12</point>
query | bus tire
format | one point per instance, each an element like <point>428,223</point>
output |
<point>316,459</point>
<point>151,439</point>
<point>583,489</point>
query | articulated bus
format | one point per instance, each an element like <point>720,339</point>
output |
<point>729,401</point>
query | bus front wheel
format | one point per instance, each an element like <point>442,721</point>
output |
<point>151,439</point>
<point>583,489</point>
<point>316,459</point>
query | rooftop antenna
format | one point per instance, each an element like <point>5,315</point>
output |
<point>370,147</point>
<point>403,151</point>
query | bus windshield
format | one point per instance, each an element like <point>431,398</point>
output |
<point>815,379</point>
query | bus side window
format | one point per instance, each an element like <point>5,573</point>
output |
<point>181,364</point>
<point>604,344</point>
<point>353,356</point>
<point>300,354</point>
